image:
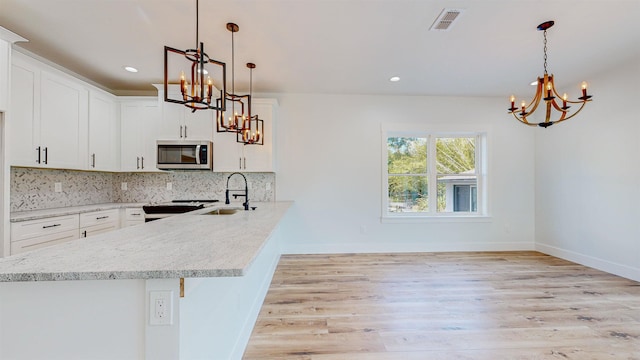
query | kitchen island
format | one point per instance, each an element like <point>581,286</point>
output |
<point>90,298</point>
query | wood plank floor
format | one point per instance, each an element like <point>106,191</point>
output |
<point>507,305</point>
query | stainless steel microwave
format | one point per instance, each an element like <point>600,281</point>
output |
<point>185,155</point>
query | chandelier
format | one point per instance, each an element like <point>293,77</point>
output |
<point>195,92</point>
<point>546,90</point>
<point>254,133</point>
<point>237,107</point>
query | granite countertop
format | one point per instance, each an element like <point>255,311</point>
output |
<point>181,246</point>
<point>18,216</point>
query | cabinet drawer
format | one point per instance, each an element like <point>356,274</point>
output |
<point>41,227</point>
<point>98,229</point>
<point>99,217</point>
<point>32,243</point>
<point>131,214</point>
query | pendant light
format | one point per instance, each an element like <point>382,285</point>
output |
<point>254,133</point>
<point>546,90</point>
<point>235,114</point>
<point>196,93</point>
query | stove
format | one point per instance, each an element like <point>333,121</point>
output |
<point>155,211</point>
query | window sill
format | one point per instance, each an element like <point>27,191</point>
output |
<point>412,219</point>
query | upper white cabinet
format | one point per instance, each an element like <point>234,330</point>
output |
<point>103,135</point>
<point>231,156</point>
<point>48,120</point>
<point>6,39</point>
<point>180,122</point>
<point>139,120</point>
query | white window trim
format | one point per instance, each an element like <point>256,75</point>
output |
<point>425,130</point>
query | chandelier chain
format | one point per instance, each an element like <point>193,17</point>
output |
<point>545,52</point>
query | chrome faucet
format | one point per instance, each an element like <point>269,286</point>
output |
<point>235,196</point>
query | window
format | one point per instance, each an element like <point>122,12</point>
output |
<point>434,174</point>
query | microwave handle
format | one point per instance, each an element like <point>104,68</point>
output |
<point>198,154</point>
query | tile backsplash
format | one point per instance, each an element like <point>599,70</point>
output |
<point>33,188</point>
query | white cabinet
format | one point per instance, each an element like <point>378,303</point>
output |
<point>180,122</point>
<point>34,234</point>
<point>49,118</point>
<point>133,216</point>
<point>103,141</point>
<point>7,38</point>
<point>230,156</point>
<point>139,120</point>
<point>98,222</point>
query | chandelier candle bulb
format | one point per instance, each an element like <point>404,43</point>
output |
<point>513,101</point>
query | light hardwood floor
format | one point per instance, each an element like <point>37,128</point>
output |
<point>507,305</point>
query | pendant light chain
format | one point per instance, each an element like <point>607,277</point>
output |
<point>545,52</point>
<point>197,26</point>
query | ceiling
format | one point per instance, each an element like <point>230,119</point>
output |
<point>336,46</point>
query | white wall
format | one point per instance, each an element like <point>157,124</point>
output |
<point>95,319</point>
<point>329,163</point>
<point>588,176</point>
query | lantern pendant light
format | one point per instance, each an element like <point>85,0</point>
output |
<point>236,113</point>
<point>254,133</point>
<point>546,90</point>
<point>196,93</point>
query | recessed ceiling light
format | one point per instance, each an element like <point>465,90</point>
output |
<point>534,83</point>
<point>131,69</point>
<point>394,78</point>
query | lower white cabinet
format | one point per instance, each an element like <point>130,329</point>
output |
<point>132,217</point>
<point>98,222</point>
<point>34,234</point>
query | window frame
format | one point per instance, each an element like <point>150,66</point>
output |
<point>431,132</point>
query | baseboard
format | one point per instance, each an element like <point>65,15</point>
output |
<point>391,247</point>
<point>590,261</point>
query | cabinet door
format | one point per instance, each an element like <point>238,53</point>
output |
<point>151,116</point>
<point>139,121</point>
<point>198,125</point>
<point>227,153</point>
<point>63,122</point>
<point>171,127</point>
<point>22,119</point>
<point>102,133</point>
<point>131,128</point>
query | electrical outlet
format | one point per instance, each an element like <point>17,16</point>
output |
<point>57,187</point>
<point>268,186</point>
<point>160,307</point>
<point>169,186</point>
<point>123,186</point>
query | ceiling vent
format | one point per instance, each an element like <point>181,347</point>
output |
<point>446,19</point>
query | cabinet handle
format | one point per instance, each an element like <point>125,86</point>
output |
<point>244,167</point>
<point>137,162</point>
<point>185,131</point>
<point>136,214</point>
<point>50,226</point>
<point>93,160</point>
<point>181,131</point>
<point>46,155</point>
<point>240,163</point>
<point>84,233</point>
<point>102,217</point>
<point>38,150</point>
<point>142,162</point>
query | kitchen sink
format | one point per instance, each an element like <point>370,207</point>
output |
<point>221,212</point>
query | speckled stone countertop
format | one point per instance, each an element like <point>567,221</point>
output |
<point>181,246</point>
<point>62,211</point>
